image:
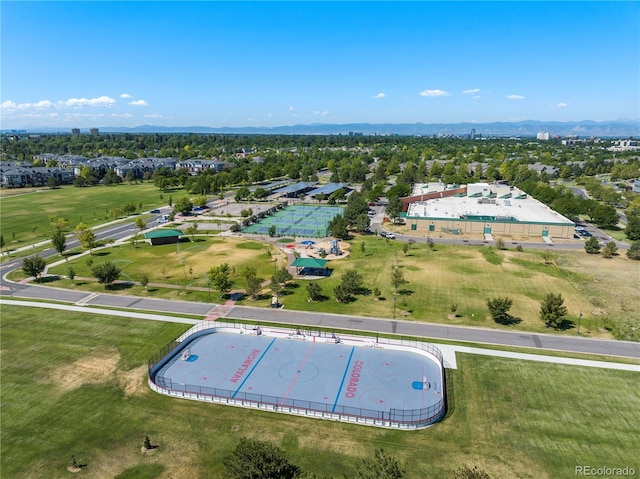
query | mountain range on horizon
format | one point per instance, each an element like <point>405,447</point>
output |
<point>527,128</point>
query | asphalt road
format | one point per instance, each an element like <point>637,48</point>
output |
<point>439,331</point>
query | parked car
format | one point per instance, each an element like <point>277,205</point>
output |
<point>384,234</point>
<point>154,211</point>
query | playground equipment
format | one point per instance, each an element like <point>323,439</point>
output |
<point>335,248</point>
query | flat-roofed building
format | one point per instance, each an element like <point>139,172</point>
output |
<point>489,209</point>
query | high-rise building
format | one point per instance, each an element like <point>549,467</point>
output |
<point>94,132</point>
<point>543,135</point>
<point>75,131</point>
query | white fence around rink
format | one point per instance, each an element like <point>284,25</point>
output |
<point>393,418</point>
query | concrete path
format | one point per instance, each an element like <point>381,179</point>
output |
<point>107,312</point>
<point>449,351</point>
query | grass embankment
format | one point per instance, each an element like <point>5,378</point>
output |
<point>25,217</point>
<point>74,383</point>
<point>467,276</point>
<point>436,280</point>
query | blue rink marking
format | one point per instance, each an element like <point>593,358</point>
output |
<point>254,366</point>
<point>346,370</point>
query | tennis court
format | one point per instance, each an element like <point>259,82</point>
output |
<point>300,220</point>
<point>316,374</point>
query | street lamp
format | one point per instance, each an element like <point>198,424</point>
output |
<point>579,320</point>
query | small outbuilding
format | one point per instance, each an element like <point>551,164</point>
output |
<point>311,266</point>
<point>163,236</point>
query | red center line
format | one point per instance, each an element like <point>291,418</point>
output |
<point>295,377</point>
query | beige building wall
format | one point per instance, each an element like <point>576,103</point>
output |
<point>424,226</point>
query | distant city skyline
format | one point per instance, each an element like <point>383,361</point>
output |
<point>266,64</point>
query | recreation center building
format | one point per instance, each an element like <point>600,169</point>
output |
<point>489,209</point>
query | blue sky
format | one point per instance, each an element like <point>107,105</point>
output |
<point>84,64</point>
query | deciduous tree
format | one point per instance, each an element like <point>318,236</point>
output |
<point>86,236</point>
<point>34,266</point>
<point>59,241</point>
<point>183,206</point>
<point>106,273</point>
<point>397,278</point>
<point>140,223</point>
<point>220,278</point>
<point>253,282</point>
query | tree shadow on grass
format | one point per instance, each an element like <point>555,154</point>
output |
<point>405,292</point>
<point>563,325</point>
<point>509,320</point>
<point>320,299</point>
<point>363,291</point>
<point>119,286</point>
<point>48,279</point>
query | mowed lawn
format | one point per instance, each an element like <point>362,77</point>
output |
<point>185,264</point>
<point>466,276</point>
<point>25,217</point>
<point>75,383</point>
<point>436,280</point>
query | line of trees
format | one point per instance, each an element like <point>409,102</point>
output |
<point>553,312</point>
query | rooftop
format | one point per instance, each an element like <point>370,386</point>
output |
<point>518,207</point>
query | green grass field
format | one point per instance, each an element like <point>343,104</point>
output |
<point>25,216</point>
<point>75,383</point>
<point>436,280</point>
<point>185,264</point>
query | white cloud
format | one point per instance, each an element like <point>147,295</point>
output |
<point>138,103</point>
<point>291,108</point>
<point>379,95</point>
<point>515,97</point>
<point>80,102</point>
<point>126,95</point>
<point>318,112</point>
<point>40,105</point>
<point>153,115</point>
<point>561,105</point>
<point>431,93</point>
<point>471,92</point>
